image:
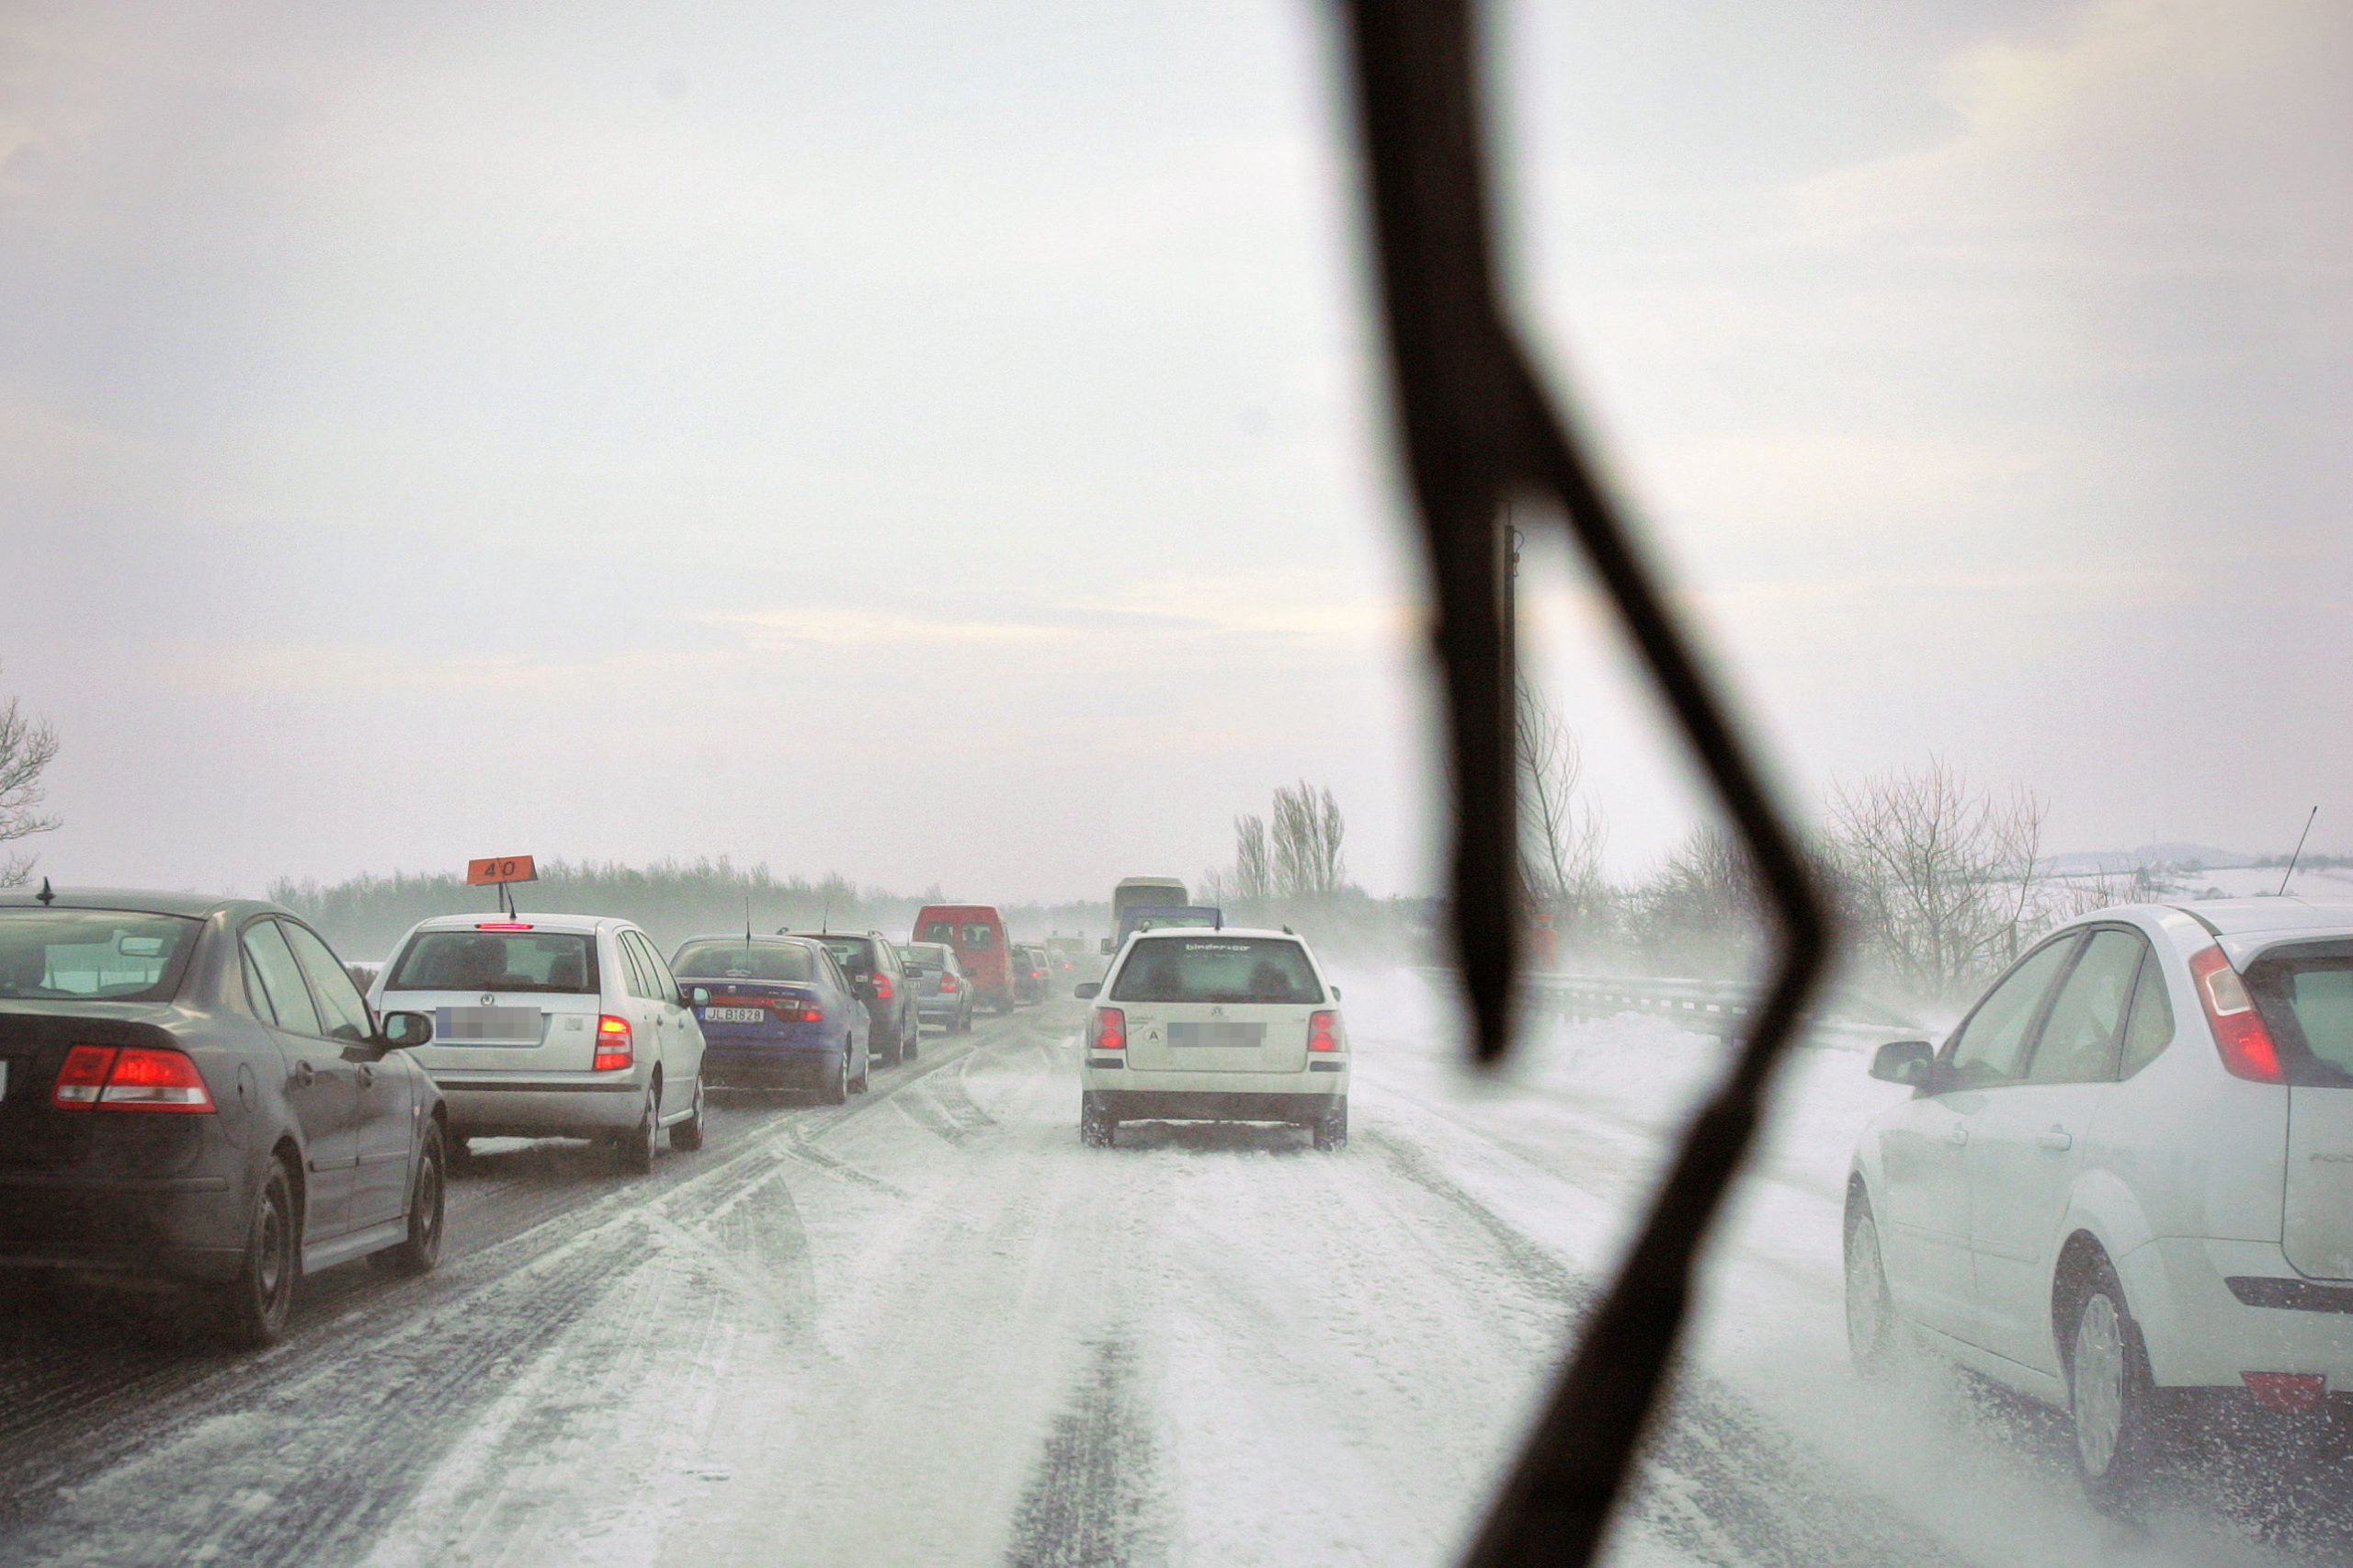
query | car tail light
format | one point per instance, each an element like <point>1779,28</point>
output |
<point>614,1046</point>
<point>1108,1032</point>
<point>135,1077</point>
<point>882,991</point>
<point>799,1010</point>
<point>1323,1031</point>
<point>2290,1394</point>
<point>947,985</point>
<point>2239,1032</point>
<point>502,925</point>
<point>148,1079</point>
<point>84,1075</point>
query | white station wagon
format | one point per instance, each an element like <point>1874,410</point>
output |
<point>552,1026</point>
<point>2124,1186</point>
<point>1215,1025</point>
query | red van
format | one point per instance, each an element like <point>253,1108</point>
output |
<point>977,933</point>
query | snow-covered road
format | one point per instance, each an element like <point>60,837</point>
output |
<point>929,1328</point>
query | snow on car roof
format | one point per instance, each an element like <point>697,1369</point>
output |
<point>2247,917</point>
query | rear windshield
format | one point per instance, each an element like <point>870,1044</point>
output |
<point>2308,1001</point>
<point>855,954</point>
<point>560,961</point>
<point>925,955</point>
<point>1241,969</point>
<point>734,960</point>
<point>53,954</point>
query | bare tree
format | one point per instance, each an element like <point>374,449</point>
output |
<point>28,745</point>
<point>1560,835</point>
<point>1943,879</point>
<point>1703,906</point>
<point>1304,860</point>
<point>1254,881</point>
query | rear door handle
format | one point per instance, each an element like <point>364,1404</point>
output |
<point>2057,1137</point>
<point>305,1074</point>
<point>1957,1136</point>
<point>367,1075</point>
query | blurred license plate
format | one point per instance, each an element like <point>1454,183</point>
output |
<point>734,1015</point>
<point>503,1026</point>
<point>1229,1037</point>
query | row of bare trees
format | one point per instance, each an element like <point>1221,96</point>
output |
<point>1291,857</point>
<point>28,745</point>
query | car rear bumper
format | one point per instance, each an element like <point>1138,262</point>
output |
<point>945,1007</point>
<point>540,1105</point>
<point>1322,1079</point>
<point>188,1227</point>
<point>1210,1104</point>
<point>781,1067</point>
<point>2198,1305</point>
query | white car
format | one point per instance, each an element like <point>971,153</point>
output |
<point>552,1026</point>
<point>2124,1186</point>
<point>1215,1025</point>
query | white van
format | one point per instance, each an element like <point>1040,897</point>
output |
<point>552,1026</point>
<point>1215,1025</point>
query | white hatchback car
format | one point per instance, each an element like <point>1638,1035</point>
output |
<point>552,1026</point>
<point>2124,1186</point>
<point>1215,1025</point>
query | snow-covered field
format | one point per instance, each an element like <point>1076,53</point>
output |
<point>929,1328</point>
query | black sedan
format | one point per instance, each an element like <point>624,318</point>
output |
<point>192,1089</point>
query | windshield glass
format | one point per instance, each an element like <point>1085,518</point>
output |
<point>855,954</point>
<point>925,955</point>
<point>734,960</point>
<point>560,961</point>
<point>1248,969</point>
<point>53,954</point>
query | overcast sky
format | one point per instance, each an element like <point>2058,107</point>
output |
<point>938,441</point>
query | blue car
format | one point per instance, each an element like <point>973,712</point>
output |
<point>776,1013</point>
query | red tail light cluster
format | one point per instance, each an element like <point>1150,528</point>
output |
<point>798,1010</point>
<point>1108,1031</point>
<point>131,1077</point>
<point>947,985</point>
<point>2239,1032</point>
<point>1323,1031</point>
<point>614,1046</point>
<point>882,991</point>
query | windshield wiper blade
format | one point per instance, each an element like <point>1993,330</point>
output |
<point>1477,432</point>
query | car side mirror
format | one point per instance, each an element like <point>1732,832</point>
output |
<point>1091,989</point>
<point>698,997</point>
<point>1107,947</point>
<point>405,1031</point>
<point>1908,1061</point>
<point>1335,993</point>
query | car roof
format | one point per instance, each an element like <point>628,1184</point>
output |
<point>1195,933</point>
<point>2268,916</point>
<point>778,938</point>
<point>140,900</point>
<point>574,923</point>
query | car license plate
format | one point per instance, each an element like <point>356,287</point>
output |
<point>734,1015</point>
<point>488,1026</point>
<point>1218,1036</point>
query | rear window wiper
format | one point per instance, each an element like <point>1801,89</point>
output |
<point>1477,432</point>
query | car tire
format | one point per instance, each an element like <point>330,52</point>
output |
<point>252,1307</point>
<point>1873,1338</point>
<point>910,1036</point>
<point>963,1024</point>
<point>634,1149</point>
<point>835,1090</point>
<point>1005,1005</point>
<point>687,1136</point>
<point>1097,1128</point>
<point>1331,1128</point>
<point>858,1085</point>
<point>461,1152</point>
<point>427,1211</point>
<point>2110,1399</point>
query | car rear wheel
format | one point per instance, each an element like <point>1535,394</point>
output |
<point>253,1305</point>
<point>428,1203</point>
<point>963,1020</point>
<point>857,1085</point>
<point>634,1149</point>
<point>1870,1307</point>
<point>835,1090</point>
<point>910,1036</point>
<point>1331,1128</point>
<point>687,1136</point>
<point>1096,1126</point>
<point>2110,1396</point>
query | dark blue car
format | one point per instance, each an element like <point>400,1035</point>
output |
<point>776,1013</point>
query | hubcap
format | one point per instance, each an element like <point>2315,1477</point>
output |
<point>2098,1384</point>
<point>1866,1294</point>
<point>272,1273</point>
<point>428,1203</point>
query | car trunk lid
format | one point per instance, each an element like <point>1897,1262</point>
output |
<point>2316,1227</point>
<point>1193,1036</point>
<point>525,1031</point>
<point>35,1134</point>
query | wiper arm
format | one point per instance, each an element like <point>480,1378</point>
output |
<point>1477,432</point>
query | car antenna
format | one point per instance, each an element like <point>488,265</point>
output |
<point>747,920</point>
<point>45,895</point>
<point>2283,876</point>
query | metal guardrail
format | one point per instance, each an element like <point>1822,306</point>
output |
<point>1707,1006</point>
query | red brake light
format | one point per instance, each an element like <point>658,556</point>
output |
<point>2287,1393</point>
<point>1108,1032</point>
<point>948,984</point>
<point>1323,1031</point>
<point>881,986</point>
<point>84,1075</point>
<point>800,1010</point>
<point>502,925</point>
<point>2239,1032</point>
<point>135,1077</point>
<point>614,1047</point>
